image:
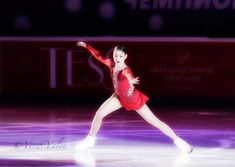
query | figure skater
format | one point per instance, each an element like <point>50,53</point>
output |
<point>125,95</point>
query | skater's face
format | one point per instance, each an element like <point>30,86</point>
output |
<point>119,56</point>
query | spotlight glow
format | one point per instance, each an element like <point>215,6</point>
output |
<point>73,5</point>
<point>22,23</point>
<point>107,10</point>
<point>155,22</point>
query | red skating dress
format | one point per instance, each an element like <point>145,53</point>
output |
<point>121,83</point>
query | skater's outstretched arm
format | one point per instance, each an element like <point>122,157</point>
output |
<point>95,53</point>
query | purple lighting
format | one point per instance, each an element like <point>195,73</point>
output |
<point>73,5</point>
<point>52,68</point>
<point>107,10</point>
<point>22,23</point>
<point>155,22</point>
<point>69,68</point>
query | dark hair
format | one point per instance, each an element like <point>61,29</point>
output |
<point>121,48</point>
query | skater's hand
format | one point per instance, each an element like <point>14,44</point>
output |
<point>82,44</point>
<point>135,80</point>
<point>132,81</point>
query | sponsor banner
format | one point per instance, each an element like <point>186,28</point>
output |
<point>180,4</point>
<point>165,67</point>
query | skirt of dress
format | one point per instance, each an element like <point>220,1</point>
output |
<point>134,102</point>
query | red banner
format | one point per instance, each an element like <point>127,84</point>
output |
<point>165,67</point>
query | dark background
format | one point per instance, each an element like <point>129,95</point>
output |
<point>116,18</point>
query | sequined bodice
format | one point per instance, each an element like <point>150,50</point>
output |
<point>115,79</point>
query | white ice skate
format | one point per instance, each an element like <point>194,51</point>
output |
<point>88,142</point>
<point>183,145</point>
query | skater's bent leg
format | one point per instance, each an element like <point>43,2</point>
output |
<point>110,105</point>
<point>147,114</point>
